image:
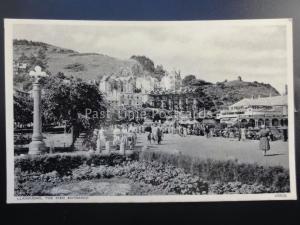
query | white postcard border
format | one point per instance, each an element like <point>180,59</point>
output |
<point>8,27</point>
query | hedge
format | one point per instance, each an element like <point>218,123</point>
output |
<point>63,163</point>
<point>276,177</point>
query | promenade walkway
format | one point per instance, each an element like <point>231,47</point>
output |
<point>222,149</point>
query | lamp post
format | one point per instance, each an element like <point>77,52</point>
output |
<point>37,145</point>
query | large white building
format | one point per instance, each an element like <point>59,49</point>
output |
<point>270,111</point>
<point>129,90</point>
<point>171,82</point>
<point>121,91</point>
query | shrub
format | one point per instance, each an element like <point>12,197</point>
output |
<point>75,67</point>
<point>34,184</point>
<point>63,163</point>
<point>215,171</point>
<point>167,178</point>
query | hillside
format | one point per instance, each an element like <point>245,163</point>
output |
<point>222,94</point>
<point>87,66</point>
<point>90,66</point>
<point>227,93</point>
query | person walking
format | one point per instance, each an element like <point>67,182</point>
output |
<point>185,131</point>
<point>154,132</point>
<point>285,134</point>
<point>264,143</point>
<point>243,133</point>
<point>159,135</point>
<point>116,136</point>
<point>148,131</point>
<point>206,130</point>
<point>239,133</point>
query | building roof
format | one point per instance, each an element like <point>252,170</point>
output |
<point>266,101</point>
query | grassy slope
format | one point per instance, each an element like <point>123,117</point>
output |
<point>94,65</point>
<point>233,91</point>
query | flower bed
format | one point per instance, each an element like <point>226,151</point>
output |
<point>272,179</point>
<point>151,172</point>
<point>166,179</point>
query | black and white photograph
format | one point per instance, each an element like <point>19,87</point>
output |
<point>149,111</point>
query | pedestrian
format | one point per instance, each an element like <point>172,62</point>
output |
<point>264,143</point>
<point>154,132</point>
<point>159,134</point>
<point>184,132</point>
<point>243,133</point>
<point>239,131</point>
<point>285,134</point>
<point>148,131</point>
<point>116,136</point>
<point>206,130</point>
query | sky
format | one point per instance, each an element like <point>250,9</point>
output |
<point>212,51</point>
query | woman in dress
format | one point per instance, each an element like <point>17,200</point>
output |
<point>264,143</point>
<point>243,134</point>
<point>116,136</point>
<point>148,131</point>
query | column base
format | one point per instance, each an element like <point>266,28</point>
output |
<point>37,147</point>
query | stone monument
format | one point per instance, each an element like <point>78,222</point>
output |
<point>37,145</point>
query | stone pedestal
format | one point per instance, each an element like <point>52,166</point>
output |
<point>37,145</point>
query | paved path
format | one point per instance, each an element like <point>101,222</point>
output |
<point>221,149</point>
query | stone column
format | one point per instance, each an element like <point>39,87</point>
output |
<point>37,145</point>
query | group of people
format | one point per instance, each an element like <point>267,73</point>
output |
<point>124,134</point>
<point>154,133</point>
<point>127,133</point>
<point>99,139</point>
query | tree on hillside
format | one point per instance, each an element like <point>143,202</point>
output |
<point>204,100</point>
<point>22,58</point>
<point>149,67</point>
<point>191,80</point>
<point>187,79</point>
<point>147,63</point>
<point>80,105</point>
<point>23,108</point>
<point>199,82</point>
<point>160,70</point>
